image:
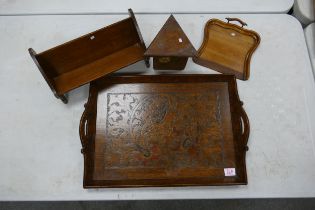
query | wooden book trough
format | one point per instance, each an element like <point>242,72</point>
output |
<point>171,47</point>
<point>91,56</point>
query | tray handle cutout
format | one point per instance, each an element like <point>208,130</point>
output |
<point>83,129</point>
<point>245,127</point>
<point>236,19</point>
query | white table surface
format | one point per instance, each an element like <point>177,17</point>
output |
<point>40,155</point>
<point>9,7</point>
<point>304,11</point>
<point>309,32</point>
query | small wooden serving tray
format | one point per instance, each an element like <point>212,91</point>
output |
<point>227,47</point>
<point>164,130</point>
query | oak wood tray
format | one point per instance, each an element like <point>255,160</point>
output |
<point>164,130</point>
<point>91,56</point>
<point>227,47</point>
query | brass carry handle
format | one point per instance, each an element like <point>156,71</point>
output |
<point>246,127</point>
<point>83,128</point>
<point>238,20</point>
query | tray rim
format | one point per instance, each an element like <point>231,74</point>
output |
<point>218,67</point>
<point>87,131</point>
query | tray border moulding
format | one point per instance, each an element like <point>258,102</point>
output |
<point>89,57</point>
<point>227,47</point>
<point>164,130</point>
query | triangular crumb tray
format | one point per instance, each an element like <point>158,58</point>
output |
<point>171,41</point>
<point>227,48</point>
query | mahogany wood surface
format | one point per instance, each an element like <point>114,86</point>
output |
<point>171,47</point>
<point>227,47</point>
<point>91,56</point>
<point>169,62</point>
<point>163,130</point>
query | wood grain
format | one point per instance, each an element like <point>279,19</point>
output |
<point>163,130</point>
<point>171,47</point>
<point>91,56</point>
<point>227,48</point>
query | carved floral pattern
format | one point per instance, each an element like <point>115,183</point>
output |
<point>163,130</point>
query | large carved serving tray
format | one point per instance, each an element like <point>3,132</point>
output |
<point>164,130</point>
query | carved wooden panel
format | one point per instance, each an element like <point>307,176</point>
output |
<point>137,131</point>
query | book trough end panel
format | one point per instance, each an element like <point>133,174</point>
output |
<point>227,48</point>
<point>156,130</point>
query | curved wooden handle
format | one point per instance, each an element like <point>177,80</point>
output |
<point>236,19</point>
<point>83,128</point>
<point>246,128</point>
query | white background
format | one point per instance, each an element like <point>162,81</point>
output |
<point>40,155</point>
